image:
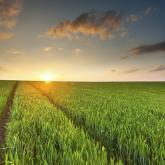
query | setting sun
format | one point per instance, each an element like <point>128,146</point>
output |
<point>47,77</point>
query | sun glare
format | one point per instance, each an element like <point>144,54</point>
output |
<point>47,77</point>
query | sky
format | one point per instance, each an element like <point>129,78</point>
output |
<point>82,40</point>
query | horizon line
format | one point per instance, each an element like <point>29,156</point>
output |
<point>81,81</point>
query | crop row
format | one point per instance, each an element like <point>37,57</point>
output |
<point>39,133</point>
<point>5,89</point>
<point>128,119</point>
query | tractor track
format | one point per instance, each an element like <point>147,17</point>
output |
<point>4,118</point>
<point>76,122</point>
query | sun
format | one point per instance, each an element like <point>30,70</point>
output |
<point>47,77</point>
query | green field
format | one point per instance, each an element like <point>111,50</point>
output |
<point>84,123</point>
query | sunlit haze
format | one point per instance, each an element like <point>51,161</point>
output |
<point>48,77</point>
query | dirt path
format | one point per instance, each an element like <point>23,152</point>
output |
<point>4,117</point>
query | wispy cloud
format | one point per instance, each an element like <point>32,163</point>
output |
<point>6,35</point>
<point>131,70</point>
<point>124,70</point>
<point>9,10</point>
<point>145,49</point>
<point>92,23</point>
<point>149,48</point>
<point>17,52</point>
<point>61,49</point>
<point>124,33</point>
<point>137,17</point>
<point>149,10</point>
<point>2,69</point>
<point>47,49</point>
<point>113,70</point>
<point>133,18</point>
<point>77,51</point>
<point>158,68</point>
<point>8,23</point>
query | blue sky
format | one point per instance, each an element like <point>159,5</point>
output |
<point>107,40</point>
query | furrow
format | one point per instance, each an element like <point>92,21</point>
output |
<point>5,117</point>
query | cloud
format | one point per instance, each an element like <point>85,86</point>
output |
<point>124,71</point>
<point>10,8</point>
<point>124,34</point>
<point>149,48</point>
<point>149,10</point>
<point>144,49</point>
<point>61,49</point>
<point>131,70</point>
<point>92,23</point>
<point>47,49</point>
<point>138,17</point>
<point>158,68</point>
<point>133,18</point>
<point>2,69</point>
<point>16,52</point>
<point>6,35</point>
<point>113,70</point>
<point>102,24</point>
<point>8,23</point>
<point>77,50</point>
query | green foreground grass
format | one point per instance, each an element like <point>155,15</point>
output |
<point>127,118</point>
<point>97,123</point>
<point>5,89</point>
<point>38,133</point>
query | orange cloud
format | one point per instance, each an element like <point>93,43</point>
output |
<point>2,69</point>
<point>8,23</point>
<point>6,35</point>
<point>77,50</point>
<point>47,49</point>
<point>93,23</point>
<point>16,52</point>
<point>10,8</point>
